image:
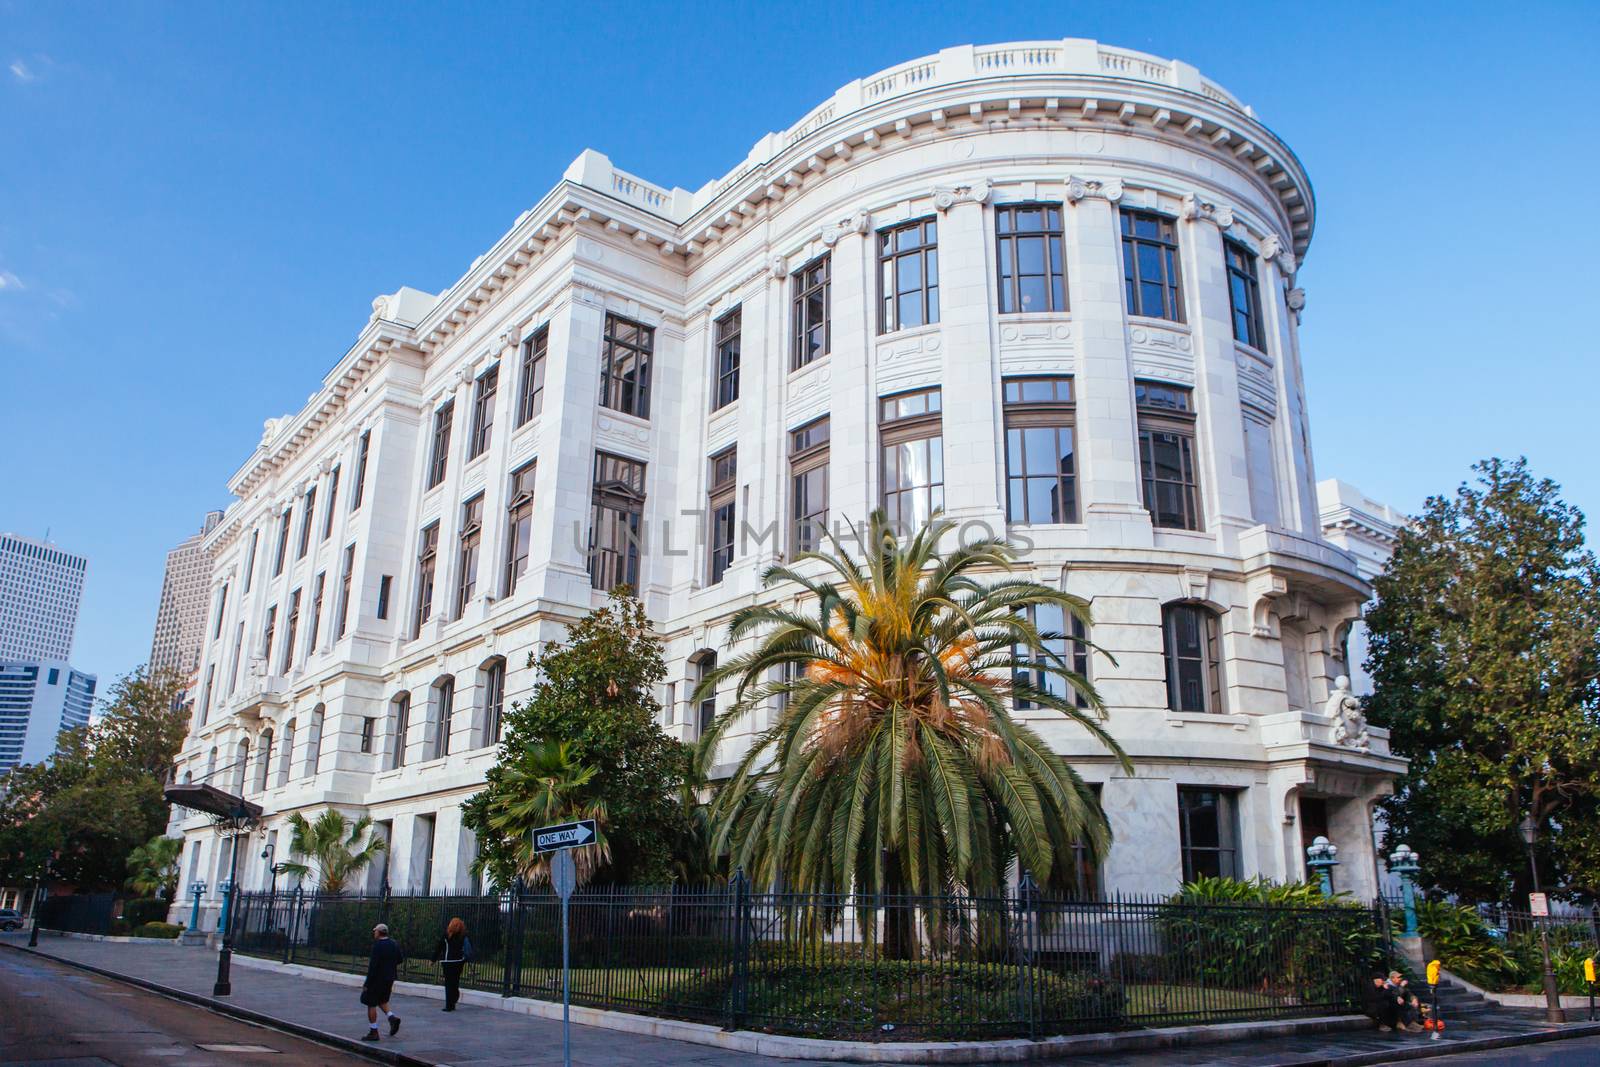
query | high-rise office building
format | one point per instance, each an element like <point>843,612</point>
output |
<point>39,699</point>
<point>40,588</point>
<point>181,616</point>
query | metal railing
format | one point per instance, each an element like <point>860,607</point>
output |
<point>875,967</point>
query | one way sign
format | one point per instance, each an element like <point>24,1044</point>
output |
<point>563,835</point>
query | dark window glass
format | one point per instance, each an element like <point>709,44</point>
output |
<point>728,328</point>
<point>1041,464</point>
<point>705,667</point>
<point>445,694</point>
<point>908,275</point>
<point>1154,288</point>
<point>427,562</point>
<point>402,726</point>
<point>250,559</point>
<point>368,725</point>
<point>1028,252</point>
<point>812,313</point>
<point>1064,639</point>
<point>222,606</point>
<point>808,477</point>
<point>268,632</point>
<point>1244,294</point>
<point>483,398</point>
<point>519,526</point>
<point>306,515</point>
<point>317,585</point>
<point>283,541</point>
<point>1208,833</point>
<point>1194,658</point>
<point>625,367</point>
<point>344,588</point>
<point>617,528</point>
<point>720,500</point>
<point>912,450</point>
<point>290,630</point>
<point>530,396</point>
<point>363,447</point>
<point>494,701</point>
<point>384,584</point>
<point>439,457</point>
<point>467,553</point>
<point>1167,456</point>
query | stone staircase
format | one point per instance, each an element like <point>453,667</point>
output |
<point>1456,1001</point>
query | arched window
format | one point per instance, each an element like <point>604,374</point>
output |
<point>211,765</point>
<point>704,667</point>
<point>264,760</point>
<point>399,726</point>
<point>494,700</point>
<point>1193,647</point>
<point>240,761</point>
<point>314,741</point>
<point>286,753</point>
<point>444,709</point>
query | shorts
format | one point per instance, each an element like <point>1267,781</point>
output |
<point>374,994</point>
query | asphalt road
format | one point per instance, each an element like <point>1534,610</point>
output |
<point>55,1015</point>
<point>1579,1052</point>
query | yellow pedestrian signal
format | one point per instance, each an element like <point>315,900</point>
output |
<point>1588,970</point>
<point>1433,973</point>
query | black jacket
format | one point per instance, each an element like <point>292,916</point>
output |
<point>451,950</point>
<point>384,966</point>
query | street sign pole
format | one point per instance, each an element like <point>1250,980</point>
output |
<point>564,878</point>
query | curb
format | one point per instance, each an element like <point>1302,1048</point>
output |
<point>220,1007</point>
<point>1434,1049</point>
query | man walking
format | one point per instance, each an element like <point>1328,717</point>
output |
<point>382,970</point>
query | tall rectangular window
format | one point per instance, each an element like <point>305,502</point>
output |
<point>427,562</point>
<point>1167,455</point>
<point>908,275</point>
<point>1066,641</point>
<point>530,392</point>
<point>439,455</point>
<point>483,397</point>
<point>616,529</point>
<point>222,606</point>
<point>1259,465</point>
<point>399,730</point>
<point>268,632</point>
<point>363,448</point>
<point>912,442</point>
<point>445,693</point>
<point>333,501</point>
<point>385,583</point>
<point>727,342</point>
<point>625,366</point>
<point>467,553</point>
<point>1028,253</point>
<point>250,559</point>
<point>494,701</point>
<point>519,526</point>
<point>306,516</point>
<point>291,628</point>
<point>808,485</point>
<point>317,585</point>
<point>720,504</point>
<point>1150,265</point>
<point>1208,833</point>
<point>812,311</point>
<point>1041,461</point>
<point>368,727</point>
<point>1193,651</point>
<point>1244,294</point>
<point>283,541</point>
<point>233,668</point>
<point>205,700</point>
<point>345,574</point>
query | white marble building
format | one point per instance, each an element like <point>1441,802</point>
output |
<point>1114,228</point>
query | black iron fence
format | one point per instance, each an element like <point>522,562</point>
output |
<point>1021,965</point>
<point>78,913</point>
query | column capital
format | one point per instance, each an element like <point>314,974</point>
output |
<point>1107,189</point>
<point>1197,209</point>
<point>946,197</point>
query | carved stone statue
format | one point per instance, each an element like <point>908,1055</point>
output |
<point>1349,724</point>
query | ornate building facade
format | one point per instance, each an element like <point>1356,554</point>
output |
<point>1048,287</point>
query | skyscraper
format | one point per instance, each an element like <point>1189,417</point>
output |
<point>181,615</point>
<point>38,700</point>
<point>40,588</point>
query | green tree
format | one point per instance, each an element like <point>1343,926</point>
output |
<point>334,846</point>
<point>1485,654</point>
<point>594,691</point>
<point>99,796</point>
<point>153,866</point>
<point>542,785</point>
<point>895,764</point>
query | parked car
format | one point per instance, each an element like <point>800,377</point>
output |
<point>10,919</point>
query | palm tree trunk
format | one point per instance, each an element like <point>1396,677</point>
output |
<point>899,919</point>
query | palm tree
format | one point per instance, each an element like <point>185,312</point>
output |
<point>333,844</point>
<point>154,866</point>
<point>542,785</point>
<point>895,764</point>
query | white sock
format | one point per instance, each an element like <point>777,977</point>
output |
<point>391,1015</point>
<point>374,1027</point>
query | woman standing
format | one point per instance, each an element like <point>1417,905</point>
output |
<point>452,954</point>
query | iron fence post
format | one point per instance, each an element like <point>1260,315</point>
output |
<point>513,977</point>
<point>294,924</point>
<point>1027,976</point>
<point>738,990</point>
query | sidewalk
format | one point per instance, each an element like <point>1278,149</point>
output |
<point>480,1035</point>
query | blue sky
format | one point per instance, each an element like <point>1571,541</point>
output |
<point>198,203</point>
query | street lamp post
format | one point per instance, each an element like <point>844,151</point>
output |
<point>1553,1012</point>
<point>1405,863</point>
<point>223,986</point>
<point>38,892</point>
<point>1322,857</point>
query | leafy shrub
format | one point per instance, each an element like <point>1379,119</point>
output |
<point>1460,939</point>
<point>164,930</point>
<point>1570,945</point>
<point>144,910</point>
